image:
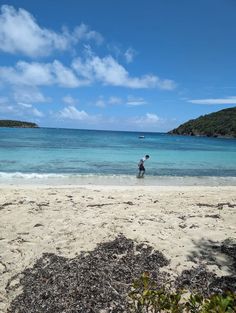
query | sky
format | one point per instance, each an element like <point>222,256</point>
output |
<point>116,65</point>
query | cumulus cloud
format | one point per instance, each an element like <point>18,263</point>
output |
<point>40,74</point>
<point>83,32</point>
<point>214,101</point>
<point>29,95</point>
<point>20,33</point>
<point>70,100</point>
<point>71,112</point>
<point>64,76</point>
<point>108,71</point>
<point>31,74</point>
<point>152,118</point>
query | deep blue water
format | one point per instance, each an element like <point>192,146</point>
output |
<point>69,151</point>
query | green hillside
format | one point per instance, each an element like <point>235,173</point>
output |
<point>217,124</point>
<point>10,123</point>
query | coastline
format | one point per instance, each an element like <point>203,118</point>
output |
<point>179,221</point>
<point>73,180</point>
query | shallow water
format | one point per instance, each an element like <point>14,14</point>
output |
<point>74,155</point>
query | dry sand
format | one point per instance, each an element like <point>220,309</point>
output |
<point>181,222</point>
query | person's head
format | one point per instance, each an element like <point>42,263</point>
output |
<point>146,156</point>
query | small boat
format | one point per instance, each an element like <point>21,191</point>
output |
<point>141,137</point>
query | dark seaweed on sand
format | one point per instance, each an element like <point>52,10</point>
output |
<point>200,280</point>
<point>99,281</point>
<point>91,282</point>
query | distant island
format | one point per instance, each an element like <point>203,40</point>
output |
<point>217,124</point>
<point>19,124</point>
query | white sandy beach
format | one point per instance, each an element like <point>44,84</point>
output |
<point>68,220</point>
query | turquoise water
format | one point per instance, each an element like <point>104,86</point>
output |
<point>47,151</point>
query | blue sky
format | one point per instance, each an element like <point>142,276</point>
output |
<point>120,65</point>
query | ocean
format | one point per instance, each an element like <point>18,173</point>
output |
<point>72,156</point>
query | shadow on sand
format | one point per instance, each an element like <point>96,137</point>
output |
<point>208,252</point>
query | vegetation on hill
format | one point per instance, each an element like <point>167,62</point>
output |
<point>217,124</point>
<point>10,123</point>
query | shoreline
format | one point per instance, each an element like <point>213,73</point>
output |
<point>68,180</point>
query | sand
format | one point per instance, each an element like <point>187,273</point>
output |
<point>181,222</point>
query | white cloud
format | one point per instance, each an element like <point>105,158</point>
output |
<point>29,109</point>
<point>31,74</point>
<point>83,32</point>
<point>25,105</point>
<point>72,113</point>
<point>108,71</point>
<point>102,103</point>
<point>114,100</point>
<point>20,33</point>
<point>19,109</point>
<point>64,76</point>
<point>213,101</point>
<point>152,118</point>
<point>133,101</point>
<point>149,119</point>
<point>40,74</point>
<point>36,112</point>
<point>129,55</point>
<point>70,100</point>
<point>118,52</point>
<point>29,95</point>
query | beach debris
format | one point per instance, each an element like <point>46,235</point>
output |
<point>100,205</point>
<point>182,225</point>
<point>194,226</point>
<point>38,225</point>
<point>213,215</point>
<point>206,283</point>
<point>219,205</point>
<point>129,202</point>
<point>100,280</point>
<point>228,247</point>
<point>3,267</point>
<point>14,282</point>
<point>4,205</point>
<point>94,281</point>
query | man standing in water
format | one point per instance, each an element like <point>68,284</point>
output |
<point>141,166</point>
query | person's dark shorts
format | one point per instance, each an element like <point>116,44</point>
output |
<point>141,167</point>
